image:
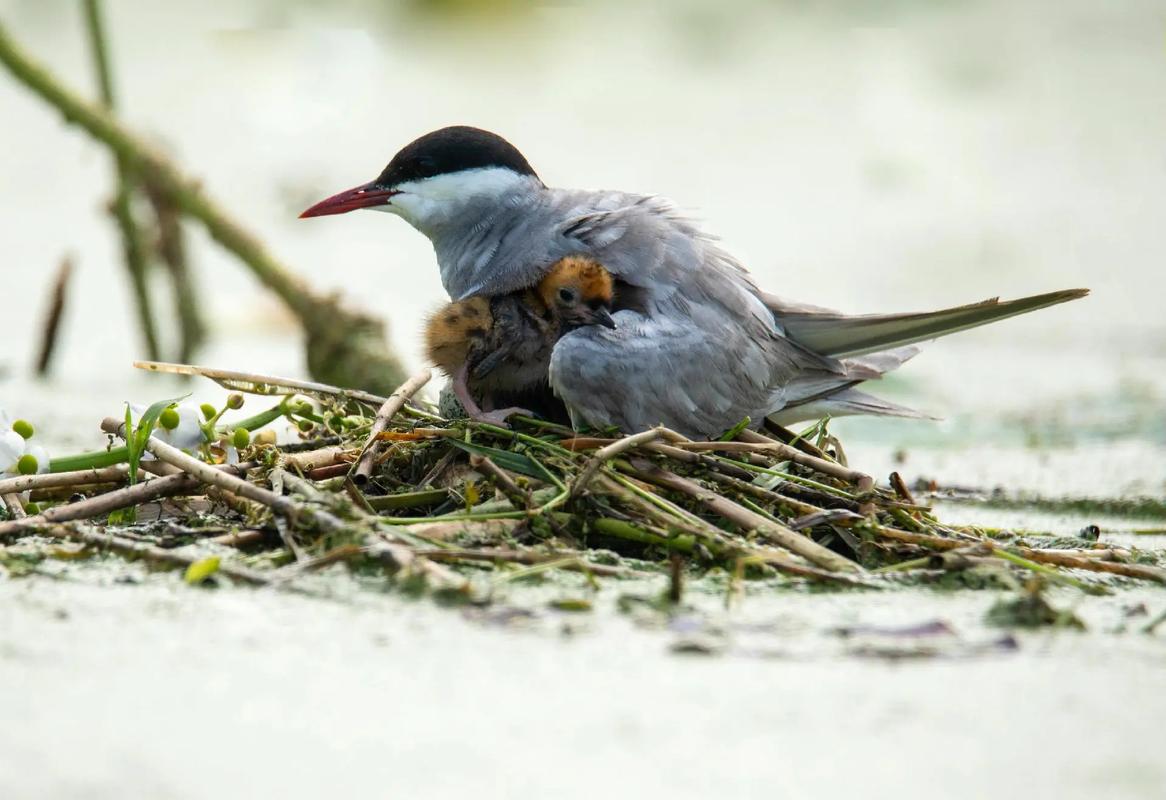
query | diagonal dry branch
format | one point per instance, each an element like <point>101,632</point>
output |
<point>343,346</point>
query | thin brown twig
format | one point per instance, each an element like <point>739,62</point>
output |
<point>527,557</point>
<point>15,507</point>
<point>388,410</point>
<point>49,480</point>
<point>518,498</point>
<point>103,504</point>
<point>777,533</point>
<point>1141,571</point>
<point>900,487</point>
<point>51,329</point>
<point>605,454</point>
<point>155,555</point>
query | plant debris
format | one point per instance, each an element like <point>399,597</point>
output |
<point>455,508</point>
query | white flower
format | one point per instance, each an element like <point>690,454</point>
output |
<point>13,447</point>
<point>187,435</point>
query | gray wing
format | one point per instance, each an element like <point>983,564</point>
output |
<point>837,334</point>
<point>705,353</point>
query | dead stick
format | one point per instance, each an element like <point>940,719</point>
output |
<point>205,473</point>
<point>518,498</point>
<point>257,383</point>
<point>314,459</point>
<point>749,520</point>
<point>155,555</point>
<point>1058,559</point>
<point>50,480</point>
<point>104,503</point>
<point>605,454</point>
<point>784,451</point>
<point>524,557</point>
<point>52,326</point>
<point>900,487</point>
<point>388,409</point>
<point>14,506</point>
<point>703,460</point>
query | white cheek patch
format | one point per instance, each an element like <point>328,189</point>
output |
<point>429,200</point>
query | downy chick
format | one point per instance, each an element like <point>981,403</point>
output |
<point>496,350</point>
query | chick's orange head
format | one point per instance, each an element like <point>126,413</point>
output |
<point>588,279</point>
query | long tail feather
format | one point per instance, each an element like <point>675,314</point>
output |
<point>847,402</point>
<point>831,333</point>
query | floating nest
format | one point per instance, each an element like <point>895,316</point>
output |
<point>388,484</point>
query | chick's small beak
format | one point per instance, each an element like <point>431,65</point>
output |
<point>368,195</point>
<point>601,316</point>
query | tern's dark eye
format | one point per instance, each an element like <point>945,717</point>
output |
<point>566,295</point>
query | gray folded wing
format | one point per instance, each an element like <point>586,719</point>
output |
<point>832,333</point>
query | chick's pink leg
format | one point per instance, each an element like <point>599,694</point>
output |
<point>461,391</point>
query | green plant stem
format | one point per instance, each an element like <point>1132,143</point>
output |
<point>91,460</point>
<point>1052,573</point>
<point>137,264</point>
<point>619,529</point>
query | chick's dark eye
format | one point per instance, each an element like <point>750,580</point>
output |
<point>566,295</point>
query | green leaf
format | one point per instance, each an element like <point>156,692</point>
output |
<point>515,462</point>
<point>735,431</point>
<point>200,570</point>
<point>136,438</point>
<point>123,516</point>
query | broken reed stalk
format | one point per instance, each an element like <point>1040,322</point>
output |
<point>344,346</point>
<point>605,454</point>
<point>133,246</point>
<point>103,504</point>
<point>255,383</point>
<point>310,460</point>
<point>155,555</point>
<point>388,410</point>
<point>900,487</point>
<point>51,329</point>
<point>494,554</point>
<point>518,498</point>
<point>1061,559</point>
<point>14,506</point>
<point>755,442</point>
<point>206,473</point>
<point>50,480</point>
<point>775,532</point>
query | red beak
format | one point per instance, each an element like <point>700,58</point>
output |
<point>366,196</point>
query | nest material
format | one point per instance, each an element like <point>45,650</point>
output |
<point>439,500</point>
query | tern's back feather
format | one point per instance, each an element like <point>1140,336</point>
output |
<point>703,346</point>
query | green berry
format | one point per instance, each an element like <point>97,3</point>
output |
<point>23,427</point>
<point>27,465</point>
<point>241,438</point>
<point>208,411</point>
<point>168,419</point>
<point>234,401</point>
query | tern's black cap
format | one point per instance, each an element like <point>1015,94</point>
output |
<point>452,149</point>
